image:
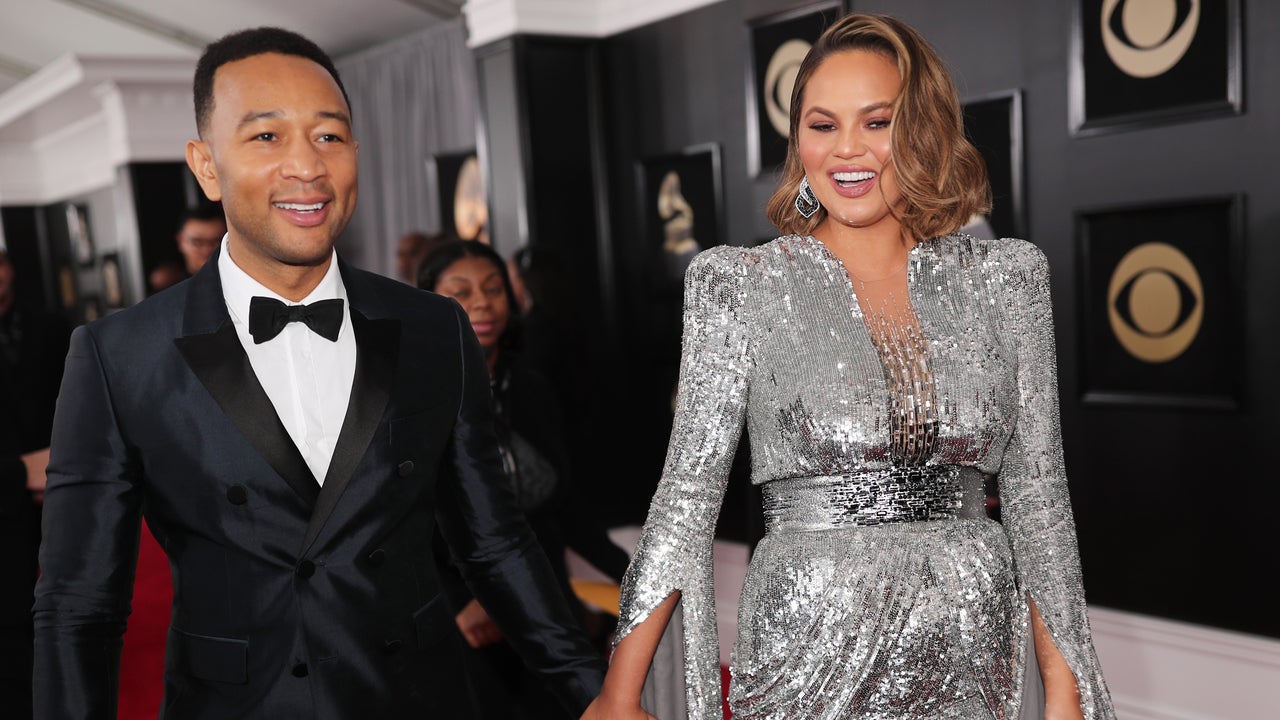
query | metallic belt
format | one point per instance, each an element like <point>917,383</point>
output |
<point>872,498</point>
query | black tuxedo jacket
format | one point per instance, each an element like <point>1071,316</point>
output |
<point>291,599</point>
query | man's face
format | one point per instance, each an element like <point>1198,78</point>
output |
<point>197,240</point>
<point>6,283</point>
<point>279,153</point>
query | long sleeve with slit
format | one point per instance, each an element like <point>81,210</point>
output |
<point>880,589</point>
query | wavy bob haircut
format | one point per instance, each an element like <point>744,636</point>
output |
<point>942,177</point>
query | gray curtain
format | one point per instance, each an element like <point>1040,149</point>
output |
<point>411,99</point>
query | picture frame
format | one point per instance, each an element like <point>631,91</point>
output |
<point>681,203</point>
<point>456,180</point>
<point>1161,304</point>
<point>1161,63</point>
<point>777,43</point>
<point>90,309</point>
<point>994,124</point>
<point>80,239</point>
<point>112,284</point>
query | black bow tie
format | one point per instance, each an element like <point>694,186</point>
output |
<point>268,316</point>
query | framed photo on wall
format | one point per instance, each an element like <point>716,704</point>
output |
<point>1136,64</point>
<point>779,42</point>
<point>993,123</point>
<point>80,239</point>
<point>681,209</point>
<point>1160,304</point>
<point>460,193</point>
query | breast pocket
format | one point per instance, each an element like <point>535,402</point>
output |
<point>418,440</point>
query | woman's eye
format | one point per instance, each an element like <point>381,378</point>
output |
<point>822,127</point>
<point>265,136</point>
<point>330,138</point>
<point>881,123</point>
<point>494,291</point>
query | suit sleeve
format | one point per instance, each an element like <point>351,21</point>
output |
<point>89,552</point>
<point>496,551</point>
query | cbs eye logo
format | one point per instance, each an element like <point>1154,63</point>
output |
<point>1145,38</point>
<point>1155,302</point>
<point>779,81</point>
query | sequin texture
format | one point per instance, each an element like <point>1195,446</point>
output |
<point>923,613</point>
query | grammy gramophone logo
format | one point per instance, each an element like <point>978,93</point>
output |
<point>1155,302</point>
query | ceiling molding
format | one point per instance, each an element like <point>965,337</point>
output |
<point>492,20</point>
<point>141,21</point>
<point>15,67</point>
<point>445,9</point>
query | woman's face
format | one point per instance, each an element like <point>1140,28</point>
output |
<point>843,138</point>
<point>477,285</point>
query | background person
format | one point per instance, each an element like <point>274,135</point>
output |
<point>535,459</point>
<point>33,346</point>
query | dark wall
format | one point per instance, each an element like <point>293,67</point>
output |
<point>1173,506</point>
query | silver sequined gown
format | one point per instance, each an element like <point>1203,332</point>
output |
<point>880,589</point>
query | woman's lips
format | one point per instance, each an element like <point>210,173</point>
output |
<point>852,183</point>
<point>484,328</point>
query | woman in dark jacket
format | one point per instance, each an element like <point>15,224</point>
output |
<point>530,431</point>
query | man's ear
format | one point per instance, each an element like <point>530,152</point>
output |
<point>200,160</point>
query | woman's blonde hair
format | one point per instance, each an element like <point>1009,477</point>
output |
<point>942,177</point>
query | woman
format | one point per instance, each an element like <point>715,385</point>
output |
<point>884,367</point>
<point>530,434</point>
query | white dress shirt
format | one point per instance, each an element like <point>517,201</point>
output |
<point>307,377</point>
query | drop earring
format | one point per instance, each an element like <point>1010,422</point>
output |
<point>806,202</point>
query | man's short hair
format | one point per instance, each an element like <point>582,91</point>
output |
<point>245,44</point>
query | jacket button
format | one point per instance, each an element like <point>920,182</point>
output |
<point>405,468</point>
<point>306,569</point>
<point>236,495</point>
<point>377,557</point>
<point>300,670</point>
<point>391,647</point>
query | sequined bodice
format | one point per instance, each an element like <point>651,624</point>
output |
<point>823,399</point>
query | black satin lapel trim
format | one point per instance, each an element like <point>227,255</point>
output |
<point>219,361</point>
<point>377,350</point>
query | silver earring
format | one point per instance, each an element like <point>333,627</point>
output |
<point>806,202</point>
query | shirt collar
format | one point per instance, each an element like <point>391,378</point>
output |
<point>238,288</point>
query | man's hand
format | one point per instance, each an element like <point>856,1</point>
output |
<point>477,627</point>
<point>36,463</point>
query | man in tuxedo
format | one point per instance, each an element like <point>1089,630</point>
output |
<point>293,430</point>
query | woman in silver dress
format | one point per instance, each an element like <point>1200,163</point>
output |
<point>885,366</point>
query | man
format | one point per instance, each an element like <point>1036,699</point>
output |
<point>410,251</point>
<point>293,471</point>
<point>200,232</point>
<point>32,347</point>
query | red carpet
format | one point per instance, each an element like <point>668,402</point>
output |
<point>142,665</point>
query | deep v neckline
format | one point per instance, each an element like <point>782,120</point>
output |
<point>907,360</point>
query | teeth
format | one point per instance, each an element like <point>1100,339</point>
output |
<point>299,207</point>
<point>853,176</point>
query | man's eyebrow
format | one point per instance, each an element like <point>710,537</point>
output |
<point>269,114</point>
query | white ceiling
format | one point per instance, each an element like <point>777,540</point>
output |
<point>34,33</point>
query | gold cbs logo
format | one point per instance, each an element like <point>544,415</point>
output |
<point>1155,302</point>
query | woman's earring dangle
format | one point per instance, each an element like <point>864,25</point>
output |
<point>806,202</point>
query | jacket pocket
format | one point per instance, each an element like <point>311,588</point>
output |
<point>215,659</point>
<point>431,622</point>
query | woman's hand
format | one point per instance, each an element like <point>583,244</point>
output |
<point>477,627</point>
<point>602,708</point>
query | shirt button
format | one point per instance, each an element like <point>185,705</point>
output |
<point>306,569</point>
<point>300,670</point>
<point>405,468</point>
<point>391,647</point>
<point>237,495</point>
<point>377,557</point>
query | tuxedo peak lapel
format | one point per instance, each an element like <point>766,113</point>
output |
<point>377,350</point>
<point>214,353</point>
